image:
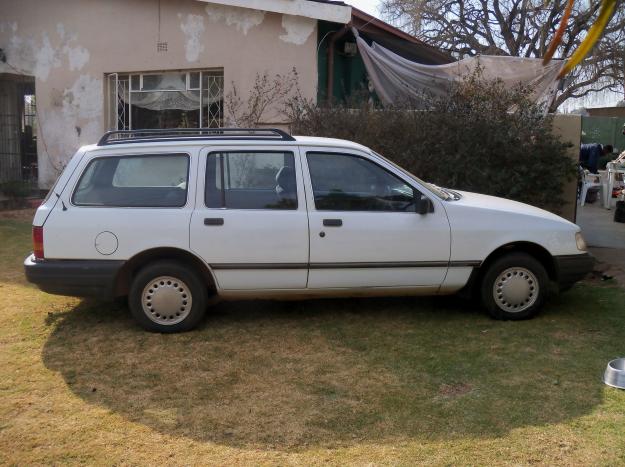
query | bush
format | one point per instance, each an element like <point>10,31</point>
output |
<point>15,189</point>
<point>479,137</point>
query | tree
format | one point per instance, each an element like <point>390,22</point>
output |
<point>521,28</point>
<point>269,93</point>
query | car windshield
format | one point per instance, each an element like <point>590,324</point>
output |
<point>441,193</point>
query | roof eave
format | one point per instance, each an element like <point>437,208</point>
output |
<point>362,21</point>
<point>335,13</point>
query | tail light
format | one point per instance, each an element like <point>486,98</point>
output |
<point>38,242</point>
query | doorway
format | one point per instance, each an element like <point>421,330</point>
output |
<point>18,129</point>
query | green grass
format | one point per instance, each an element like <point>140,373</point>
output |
<point>383,381</point>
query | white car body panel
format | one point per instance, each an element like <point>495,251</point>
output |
<point>46,207</point>
<point>480,224</point>
<point>280,253</point>
<point>71,234</point>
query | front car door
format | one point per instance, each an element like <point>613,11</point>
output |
<point>364,231</point>
<point>250,222</point>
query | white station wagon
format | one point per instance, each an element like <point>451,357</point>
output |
<point>171,217</point>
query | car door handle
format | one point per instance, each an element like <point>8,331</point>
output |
<point>213,221</point>
<point>332,222</point>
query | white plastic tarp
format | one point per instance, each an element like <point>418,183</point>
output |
<point>397,80</point>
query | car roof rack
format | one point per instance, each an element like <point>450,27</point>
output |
<point>190,134</point>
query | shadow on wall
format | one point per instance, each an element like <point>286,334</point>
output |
<point>290,375</point>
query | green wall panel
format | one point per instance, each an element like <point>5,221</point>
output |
<point>604,130</point>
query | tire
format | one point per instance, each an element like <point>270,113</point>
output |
<point>514,287</point>
<point>167,296</point>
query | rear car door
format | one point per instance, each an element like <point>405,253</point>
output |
<point>364,231</point>
<point>250,223</point>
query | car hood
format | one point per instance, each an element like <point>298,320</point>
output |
<point>493,203</point>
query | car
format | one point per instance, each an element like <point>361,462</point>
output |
<point>171,218</point>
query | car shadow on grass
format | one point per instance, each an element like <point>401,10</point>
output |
<point>291,375</point>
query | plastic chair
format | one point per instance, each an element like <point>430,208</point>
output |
<point>614,168</point>
<point>590,181</point>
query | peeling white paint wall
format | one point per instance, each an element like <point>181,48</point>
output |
<point>243,18</point>
<point>67,117</point>
<point>38,56</point>
<point>70,56</point>
<point>77,56</point>
<point>193,29</point>
<point>72,120</point>
<point>298,29</point>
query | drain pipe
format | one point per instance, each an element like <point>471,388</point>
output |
<point>330,84</point>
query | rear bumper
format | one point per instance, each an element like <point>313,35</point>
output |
<point>572,268</point>
<point>79,278</point>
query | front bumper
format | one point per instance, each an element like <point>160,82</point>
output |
<point>572,268</point>
<point>78,278</point>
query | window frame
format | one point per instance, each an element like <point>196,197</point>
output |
<point>123,82</point>
<point>415,190</point>
<point>127,156</point>
<point>223,187</point>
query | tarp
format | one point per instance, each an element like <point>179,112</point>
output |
<point>397,80</point>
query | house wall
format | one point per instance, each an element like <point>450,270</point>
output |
<point>69,46</point>
<point>569,129</point>
<point>606,112</point>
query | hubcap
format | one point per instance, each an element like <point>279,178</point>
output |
<point>166,300</point>
<point>516,289</point>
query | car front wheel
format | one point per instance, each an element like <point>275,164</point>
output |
<point>514,287</point>
<point>167,296</point>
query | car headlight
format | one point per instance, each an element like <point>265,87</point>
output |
<point>581,243</point>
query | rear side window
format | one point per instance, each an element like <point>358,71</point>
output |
<point>251,180</point>
<point>134,181</point>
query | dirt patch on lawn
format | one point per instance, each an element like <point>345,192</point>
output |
<point>455,389</point>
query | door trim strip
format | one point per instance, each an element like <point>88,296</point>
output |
<point>353,265</point>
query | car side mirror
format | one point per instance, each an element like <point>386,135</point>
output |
<point>424,205</point>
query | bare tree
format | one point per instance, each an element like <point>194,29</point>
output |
<point>521,28</point>
<point>267,93</point>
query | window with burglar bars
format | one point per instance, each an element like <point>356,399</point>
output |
<point>171,99</point>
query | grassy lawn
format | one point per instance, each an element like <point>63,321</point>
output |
<point>382,381</point>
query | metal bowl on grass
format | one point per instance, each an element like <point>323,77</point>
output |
<point>615,373</point>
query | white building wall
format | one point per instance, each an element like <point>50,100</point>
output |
<point>70,46</point>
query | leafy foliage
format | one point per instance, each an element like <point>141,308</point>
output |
<point>480,137</point>
<point>15,189</point>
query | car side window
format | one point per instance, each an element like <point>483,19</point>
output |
<point>156,180</point>
<point>251,180</point>
<point>343,182</point>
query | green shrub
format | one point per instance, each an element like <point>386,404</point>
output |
<point>480,137</point>
<point>15,189</point>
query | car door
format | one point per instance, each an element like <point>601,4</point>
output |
<point>250,222</point>
<point>364,228</point>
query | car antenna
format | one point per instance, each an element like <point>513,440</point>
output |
<point>62,203</point>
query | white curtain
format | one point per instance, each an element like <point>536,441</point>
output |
<point>397,79</point>
<point>169,93</point>
<point>161,100</point>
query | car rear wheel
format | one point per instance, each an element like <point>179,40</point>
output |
<point>514,287</point>
<point>167,296</point>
